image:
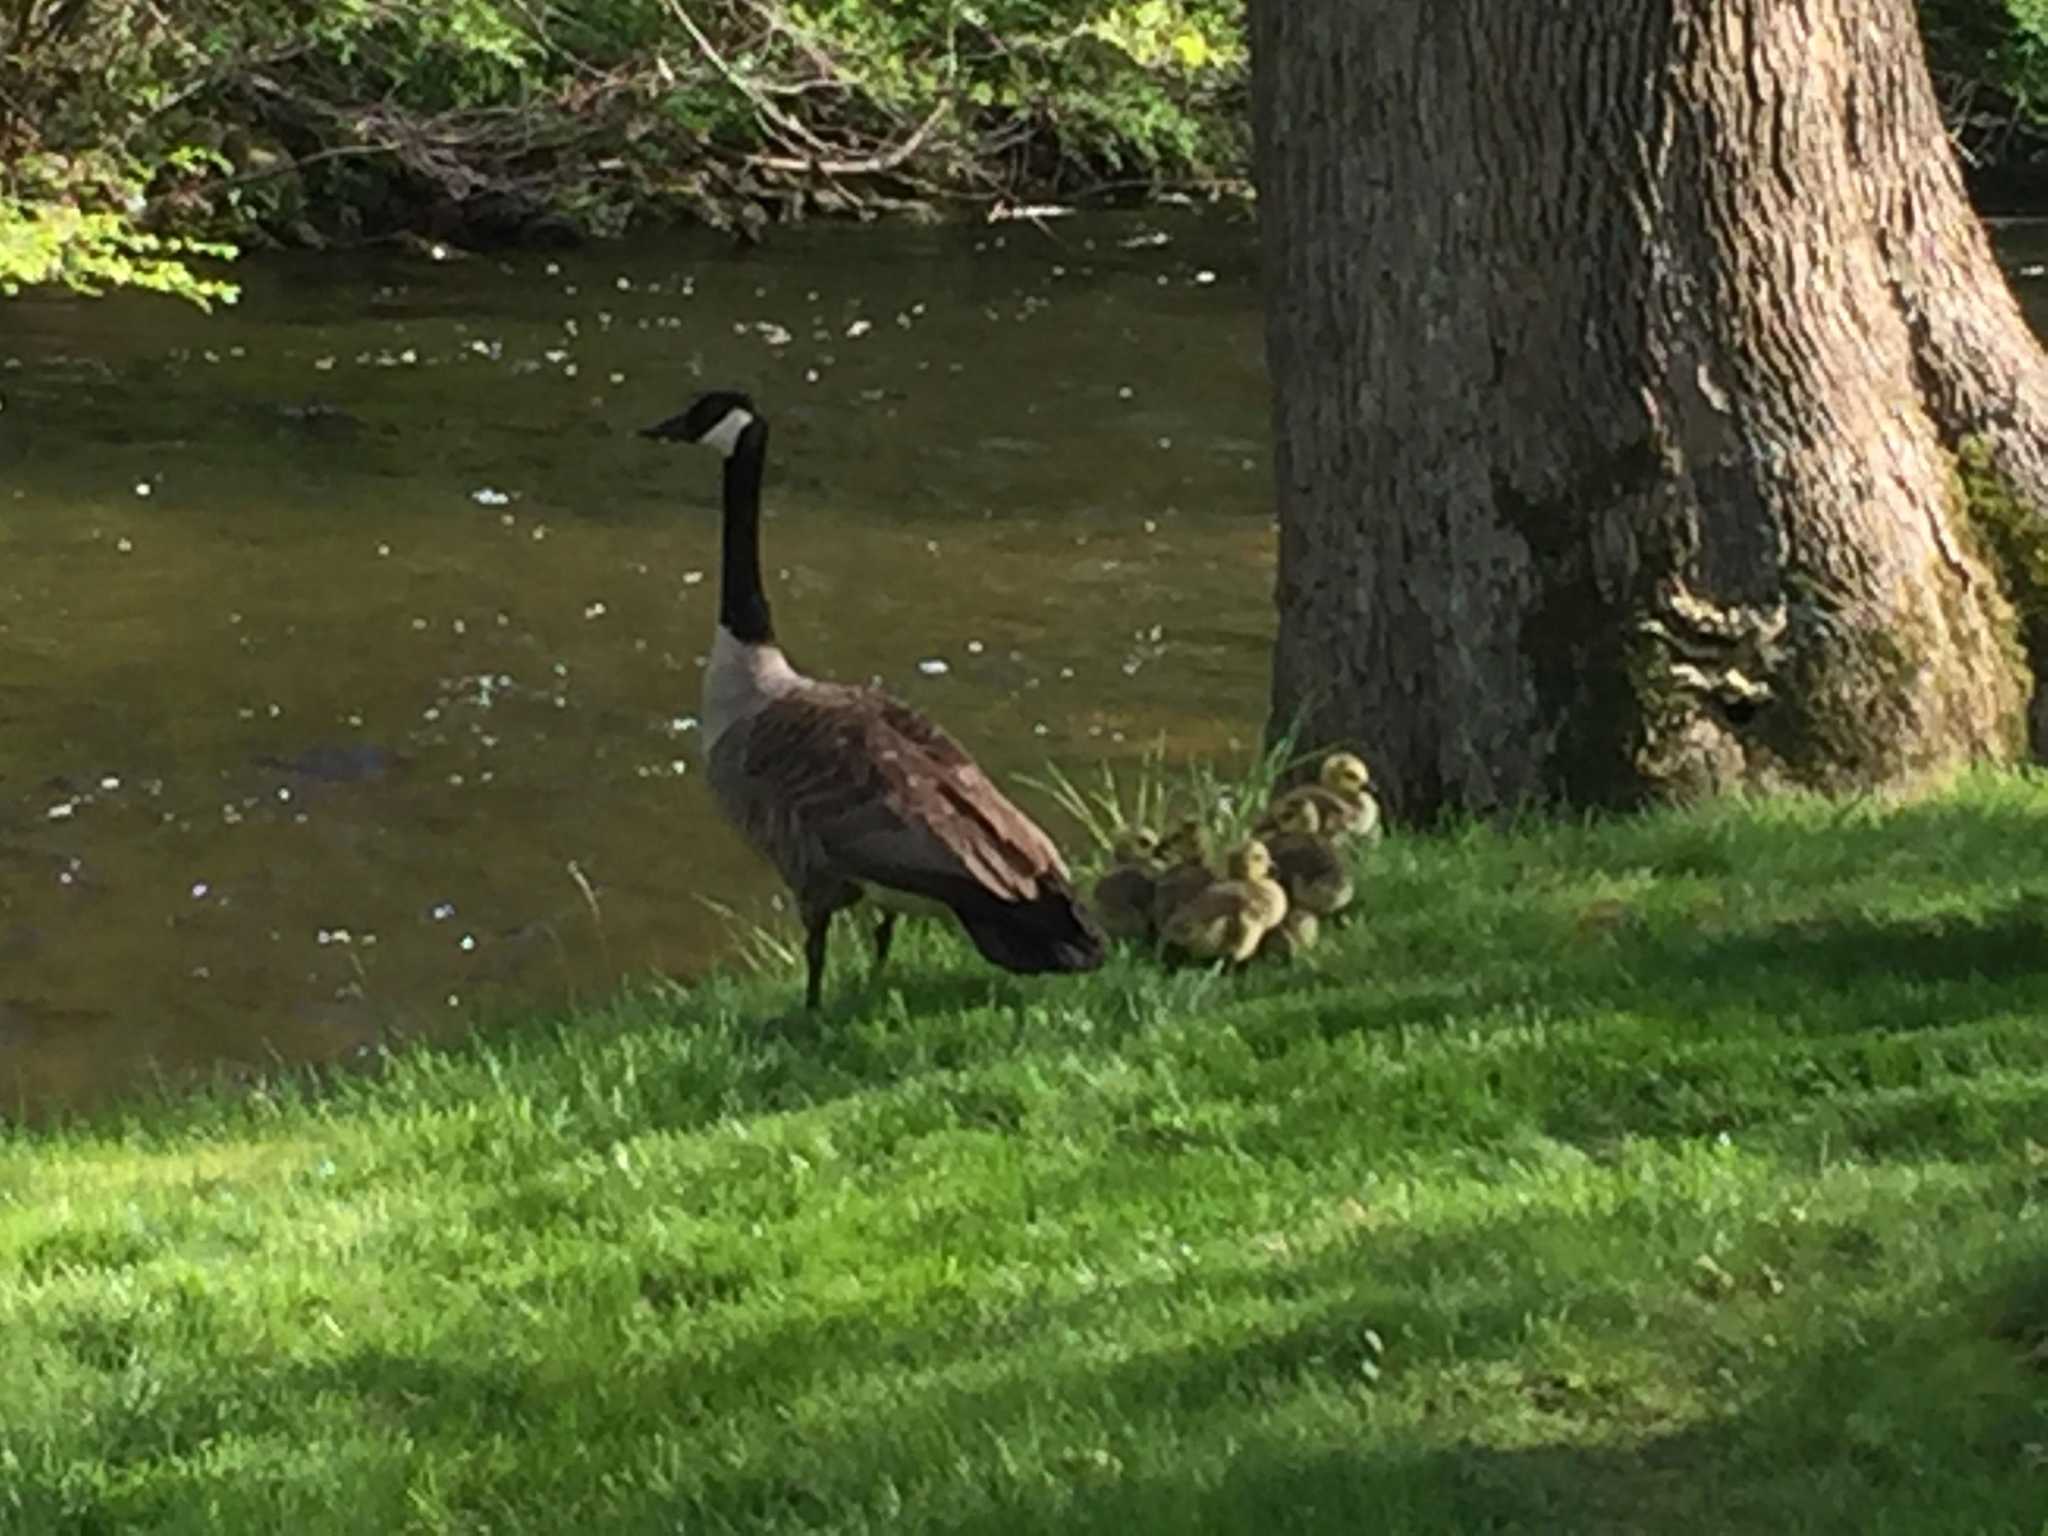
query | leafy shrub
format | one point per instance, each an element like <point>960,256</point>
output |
<point>245,121</point>
<point>69,221</point>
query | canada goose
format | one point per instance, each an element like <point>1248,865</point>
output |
<point>1184,858</point>
<point>1226,921</point>
<point>1123,896</point>
<point>1304,861</point>
<point>1292,937</point>
<point>847,791</point>
<point>1341,797</point>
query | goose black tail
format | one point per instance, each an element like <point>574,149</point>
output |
<point>1053,932</point>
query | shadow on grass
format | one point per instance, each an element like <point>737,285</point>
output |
<point>1932,1428</point>
<point>1488,1375</point>
<point>1690,1030</point>
<point>2006,945</point>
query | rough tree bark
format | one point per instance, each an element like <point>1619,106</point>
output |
<point>1651,415</point>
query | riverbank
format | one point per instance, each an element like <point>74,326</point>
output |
<point>494,122</point>
<point>1680,1173</point>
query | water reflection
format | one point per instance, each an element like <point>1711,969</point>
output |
<point>349,640</point>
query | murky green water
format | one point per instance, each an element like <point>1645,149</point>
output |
<point>345,636</point>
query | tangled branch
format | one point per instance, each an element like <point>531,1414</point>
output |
<point>402,114</point>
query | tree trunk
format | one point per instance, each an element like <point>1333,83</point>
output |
<point>1651,415</point>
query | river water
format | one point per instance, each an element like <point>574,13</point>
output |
<point>349,638</point>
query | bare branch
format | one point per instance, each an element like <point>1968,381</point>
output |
<point>871,165</point>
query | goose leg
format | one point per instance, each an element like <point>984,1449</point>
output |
<point>885,934</point>
<point>817,922</point>
<point>816,905</point>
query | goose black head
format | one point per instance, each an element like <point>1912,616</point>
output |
<point>716,420</point>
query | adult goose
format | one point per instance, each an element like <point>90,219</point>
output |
<point>849,792</point>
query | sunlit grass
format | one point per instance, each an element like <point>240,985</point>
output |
<point>1680,1174</point>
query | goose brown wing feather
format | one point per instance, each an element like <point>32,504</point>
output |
<point>851,783</point>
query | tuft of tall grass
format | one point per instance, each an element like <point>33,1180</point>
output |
<point>1155,793</point>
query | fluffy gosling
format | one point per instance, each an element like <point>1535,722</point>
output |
<point>1305,861</point>
<point>1227,920</point>
<point>1342,797</point>
<point>1123,896</point>
<point>1185,872</point>
<point>1292,937</point>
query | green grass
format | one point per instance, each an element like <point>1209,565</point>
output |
<point>1683,1174</point>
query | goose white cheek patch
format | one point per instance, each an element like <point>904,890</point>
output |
<point>726,434</point>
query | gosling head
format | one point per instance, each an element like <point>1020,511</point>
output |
<point>1250,861</point>
<point>1134,845</point>
<point>1299,816</point>
<point>1187,842</point>
<point>1346,773</point>
<point>714,420</point>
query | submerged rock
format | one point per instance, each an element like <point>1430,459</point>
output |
<point>353,763</point>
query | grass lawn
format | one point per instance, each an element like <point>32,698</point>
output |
<point>1687,1174</point>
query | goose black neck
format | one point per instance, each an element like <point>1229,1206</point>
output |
<point>742,605</point>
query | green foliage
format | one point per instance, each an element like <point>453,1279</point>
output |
<point>1990,58</point>
<point>1676,1174</point>
<point>374,115</point>
<point>48,238</point>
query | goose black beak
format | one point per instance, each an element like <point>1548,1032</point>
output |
<point>669,431</point>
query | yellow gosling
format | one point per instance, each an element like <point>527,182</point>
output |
<point>1342,797</point>
<point>1227,921</point>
